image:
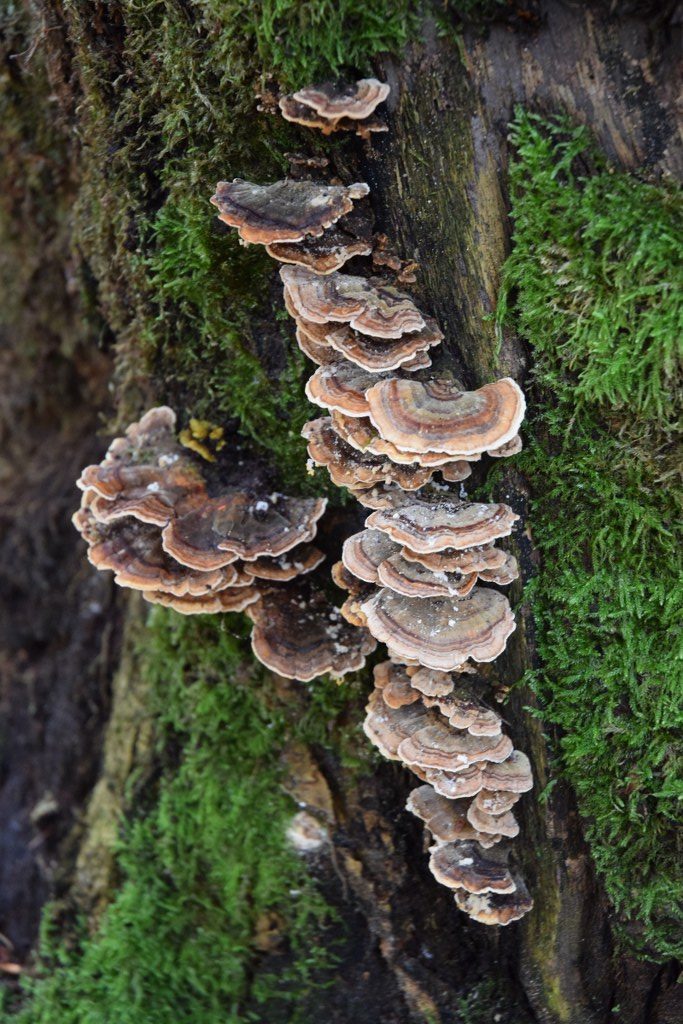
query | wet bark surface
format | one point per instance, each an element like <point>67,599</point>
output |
<point>439,192</point>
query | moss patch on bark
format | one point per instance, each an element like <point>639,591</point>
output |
<point>591,285</point>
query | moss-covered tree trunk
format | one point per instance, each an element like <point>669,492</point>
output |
<point>76,209</point>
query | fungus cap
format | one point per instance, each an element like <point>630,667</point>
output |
<point>394,682</point>
<point>511,447</point>
<point>464,711</point>
<point>466,866</point>
<point>133,551</point>
<point>348,467</point>
<point>494,908</point>
<point>452,750</point>
<point>476,559</point>
<point>340,386</point>
<point>297,562</point>
<point>442,633</point>
<point>353,100</point>
<point>387,727</point>
<point>438,416</point>
<point>369,306</point>
<point>364,552</point>
<point>237,524</point>
<point>445,819</point>
<point>502,574</point>
<point>413,580</point>
<point>324,254</point>
<point>426,526</point>
<point>302,637</point>
<point>286,211</point>
<point>380,354</point>
<point>504,824</point>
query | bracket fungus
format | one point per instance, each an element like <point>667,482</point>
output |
<point>368,305</point>
<point>286,211</point>
<point>439,416</point>
<point>301,636</point>
<point>147,515</point>
<point>333,106</point>
<point>442,633</point>
<point>412,575</point>
<point>426,526</point>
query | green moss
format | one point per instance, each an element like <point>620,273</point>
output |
<point>591,285</point>
<point>205,862</point>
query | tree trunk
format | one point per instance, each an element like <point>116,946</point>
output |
<point>438,186</point>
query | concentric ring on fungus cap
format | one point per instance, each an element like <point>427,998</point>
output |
<point>426,526</point>
<point>371,307</point>
<point>438,416</point>
<point>286,211</point>
<point>441,632</point>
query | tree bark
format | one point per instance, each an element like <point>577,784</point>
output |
<point>438,181</point>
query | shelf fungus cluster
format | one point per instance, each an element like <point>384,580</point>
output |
<point>333,107</point>
<point>422,576</point>
<point>416,577</point>
<point>157,515</point>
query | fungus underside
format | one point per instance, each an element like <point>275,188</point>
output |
<point>588,284</point>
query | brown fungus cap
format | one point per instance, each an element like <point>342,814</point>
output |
<point>144,474</point>
<point>441,632</point>
<point>476,559</point>
<point>452,750</point>
<point>323,255</point>
<point>413,580</point>
<point>319,351</point>
<point>148,493</point>
<point>347,581</point>
<point>207,604</point>
<point>495,802</point>
<point>146,439</point>
<point>348,467</point>
<point>394,682</point>
<point>364,552</point>
<point>237,524</point>
<point>494,908</point>
<point>359,432</point>
<point>369,306</point>
<point>446,819</point>
<point>351,611</point>
<point>387,727</point>
<point>300,560</point>
<point>379,496</point>
<point>493,824</point>
<point>503,574</point>
<point>380,354</point>
<point>133,551</point>
<point>340,386</point>
<point>286,211</point>
<point>426,526</point>
<point>438,416</point>
<point>302,636</point>
<point>512,447</point>
<point>512,776</point>
<point>464,711</point>
<point>466,866</point>
<point>353,100</point>
<point>431,683</point>
<point>457,785</point>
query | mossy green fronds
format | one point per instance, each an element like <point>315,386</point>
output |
<point>203,861</point>
<point>588,285</point>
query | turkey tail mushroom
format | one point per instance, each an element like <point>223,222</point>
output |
<point>420,576</point>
